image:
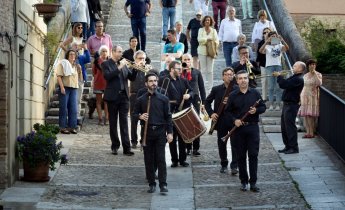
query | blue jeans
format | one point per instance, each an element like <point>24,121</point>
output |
<point>68,108</point>
<point>139,28</point>
<point>227,50</point>
<point>168,13</point>
<point>92,27</point>
<point>273,87</point>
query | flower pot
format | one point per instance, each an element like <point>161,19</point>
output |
<point>36,174</point>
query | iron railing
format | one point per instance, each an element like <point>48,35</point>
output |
<point>331,126</point>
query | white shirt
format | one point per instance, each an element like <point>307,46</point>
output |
<point>178,34</point>
<point>259,28</point>
<point>229,30</point>
<point>274,55</point>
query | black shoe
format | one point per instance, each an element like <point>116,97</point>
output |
<point>196,153</point>
<point>234,171</point>
<point>184,164</point>
<point>65,131</point>
<point>152,189</point>
<point>254,188</point>
<point>134,146</point>
<point>128,153</point>
<point>291,151</point>
<point>223,170</point>
<point>74,131</point>
<point>283,150</point>
<point>174,165</point>
<point>244,187</point>
<point>164,189</point>
<point>114,151</point>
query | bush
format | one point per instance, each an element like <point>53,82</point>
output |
<point>325,41</point>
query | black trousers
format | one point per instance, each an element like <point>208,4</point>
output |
<point>119,108</point>
<point>134,121</point>
<point>181,157</point>
<point>223,154</point>
<point>247,140</point>
<point>288,125</point>
<point>154,155</point>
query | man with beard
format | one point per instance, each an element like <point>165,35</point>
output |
<point>153,110</point>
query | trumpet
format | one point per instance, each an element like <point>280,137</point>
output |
<point>249,69</point>
<point>283,72</point>
<point>131,64</point>
<point>203,111</point>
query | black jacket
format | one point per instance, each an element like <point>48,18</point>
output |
<point>292,87</point>
<point>112,75</point>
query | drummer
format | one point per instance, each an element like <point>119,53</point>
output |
<point>183,92</point>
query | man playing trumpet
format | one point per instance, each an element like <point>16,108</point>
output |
<point>196,81</point>
<point>251,67</point>
<point>218,95</point>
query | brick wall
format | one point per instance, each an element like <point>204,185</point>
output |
<point>6,26</point>
<point>334,83</point>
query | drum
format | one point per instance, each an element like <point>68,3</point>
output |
<point>188,124</point>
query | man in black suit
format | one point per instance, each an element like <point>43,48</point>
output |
<point>116,95</point>
<point>180,36</point>
<point>217,95</point>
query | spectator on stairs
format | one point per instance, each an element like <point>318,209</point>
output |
<point>259,27</point>
<point>247,8</point>
<point>95,13</point>
<point>206,33</point>
<point>80,14</point>
<point>274,47</point>
<point>67,72</point>
<point>192,35</point>
<point>261,60</point>
<point>99,39</point>
<point>200,5</point>
<point>180,36</point>
<point>76,38</point>
<point>218,7</point>
<point>235,55</point>
<point>99,83</point>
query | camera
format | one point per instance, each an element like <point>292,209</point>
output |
<point>184,65</point>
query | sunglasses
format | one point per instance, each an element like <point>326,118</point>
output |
<point>79,27</point>
<point>265,32</point>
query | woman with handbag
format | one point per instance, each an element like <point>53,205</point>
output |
<point>207,49</point>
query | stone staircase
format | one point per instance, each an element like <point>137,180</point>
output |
<point>52,115</point>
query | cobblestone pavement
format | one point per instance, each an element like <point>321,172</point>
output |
<point>96,179</point>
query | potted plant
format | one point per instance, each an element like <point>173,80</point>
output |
<point>47,9</point>
<point>39,151</point>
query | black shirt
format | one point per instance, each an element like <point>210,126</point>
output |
<point>292,87</point>
<point>159,110</point>
<point>239,104</point>
<point>194,25</point>
<point>261,58</point>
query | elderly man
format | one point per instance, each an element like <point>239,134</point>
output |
<point>291,97</point>
<point>229,30</point>
<point>235,55</point>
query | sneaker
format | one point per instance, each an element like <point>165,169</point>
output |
<point>277,108</point>
<point>270,108</point>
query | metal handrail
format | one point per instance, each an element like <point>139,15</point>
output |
<point>57,58</point>
<point>286,58</point>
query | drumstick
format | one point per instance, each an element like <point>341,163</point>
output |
<point>182,102</point>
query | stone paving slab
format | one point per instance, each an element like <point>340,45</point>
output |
<point>232,197</point>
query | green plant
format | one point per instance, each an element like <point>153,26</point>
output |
<point>40,146</point>
<point>50,1</point>
<point>52,43</point>
<point>325,41</point>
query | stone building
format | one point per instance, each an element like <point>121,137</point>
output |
<point>22,72</point>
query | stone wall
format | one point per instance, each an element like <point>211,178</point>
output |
<point>6,31</point>
<point>335,83</point>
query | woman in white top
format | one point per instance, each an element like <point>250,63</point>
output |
<point>274,47</point>
<point>75,40</point>
<point>207,32</point>
<point>259,27</point>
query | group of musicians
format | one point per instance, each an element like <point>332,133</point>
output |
<point>236,106</point>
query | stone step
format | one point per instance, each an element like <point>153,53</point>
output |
<point>55,104</point>
<point>270,120</point>
<point>55,120</point>
<point>271,113</point>
<point>55,112</point>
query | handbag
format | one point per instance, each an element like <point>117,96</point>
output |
<point>211,48</point>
